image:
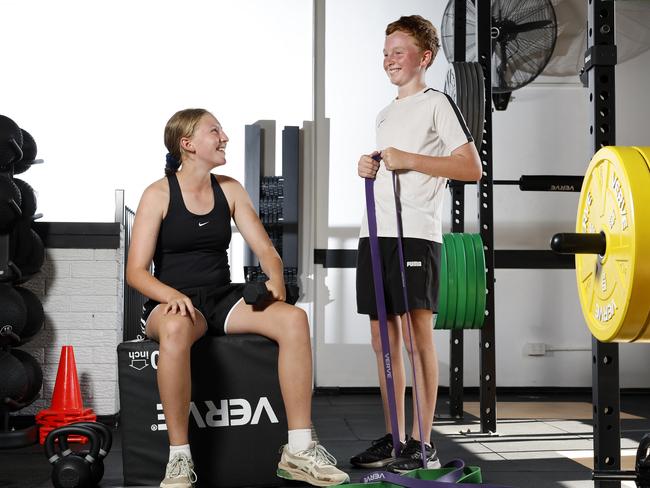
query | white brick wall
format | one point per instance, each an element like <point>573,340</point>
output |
<point>82,295</point>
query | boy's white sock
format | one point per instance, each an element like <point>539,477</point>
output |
<point>299,440</point>
<point>184,449</point>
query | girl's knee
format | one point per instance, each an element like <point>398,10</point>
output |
<point>176,332</point>
<point>295,324</point>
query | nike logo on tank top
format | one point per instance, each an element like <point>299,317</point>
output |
<point>192,250</point>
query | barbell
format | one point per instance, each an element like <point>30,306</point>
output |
<point>562,183</point>
<point>612,245</point>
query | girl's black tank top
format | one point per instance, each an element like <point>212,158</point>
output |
<point>192,250</point>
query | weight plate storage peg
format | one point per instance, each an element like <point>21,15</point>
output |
<point>612,244</point>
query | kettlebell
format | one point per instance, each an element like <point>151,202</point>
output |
<point>97,468</point>
<point>68,470</point>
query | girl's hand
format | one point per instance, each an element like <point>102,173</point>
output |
<point>277,289</point>
<point>180,304</point>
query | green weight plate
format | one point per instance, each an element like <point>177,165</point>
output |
<point>461,282</point>
<point>452,282</point>
<point>442,289</point>
<point>470,315</point>
<point>481,295</point>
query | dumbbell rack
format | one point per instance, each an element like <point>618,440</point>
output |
<point>11,437</point>
<point>10,274</point>
<point>274,197</point>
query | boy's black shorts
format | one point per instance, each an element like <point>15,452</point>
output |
<point>422,267</point>
<point>214,302</point>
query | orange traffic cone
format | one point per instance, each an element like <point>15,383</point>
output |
<point>66,397</point>
<point>67,404</point>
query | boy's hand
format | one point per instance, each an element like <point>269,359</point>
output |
<point>394,159</point>
<point>367,167</point>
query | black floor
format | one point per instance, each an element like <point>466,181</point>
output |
<point>541,441</point>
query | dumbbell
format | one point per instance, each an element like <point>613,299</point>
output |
<point>69,469</point>
<point>28,198</point>
<point>34,375</point>
<point>10,201</point>
<point>34,316</point>
<point>104,432</point>
<point>13,381</point>
<point>28,250</point>
<point>256,293</point>
<point>11,142</point>
<point>29,153</point>
<point>13,314</point>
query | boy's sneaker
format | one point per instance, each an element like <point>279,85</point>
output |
<point>179,473</point>
<point>314,465</point>
<point>378,455</point>
<point>411,457</point>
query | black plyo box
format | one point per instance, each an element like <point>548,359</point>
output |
<point>237,418</point>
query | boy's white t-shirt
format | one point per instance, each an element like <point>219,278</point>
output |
<point>429,123</point>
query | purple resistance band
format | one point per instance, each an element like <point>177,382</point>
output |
<point>381,308</point>
<point>442,482</point>
<point>375,254</point>
<point>378,281</point>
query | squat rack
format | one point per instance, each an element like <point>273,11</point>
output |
<point>599,71</point>
<point>599,75</point>
<point>600,63</point>
<point>487,395</point>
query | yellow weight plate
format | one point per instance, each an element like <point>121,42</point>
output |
<point>644,335</point>
<point>614,288</point>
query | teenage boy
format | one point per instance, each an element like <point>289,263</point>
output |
<point>422,136</point>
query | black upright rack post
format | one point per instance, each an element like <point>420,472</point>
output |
<point>487,344</point>
<point>291,174</point>
<point>457,190</point>
<point>600,63</point>
<point>253,175</point>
